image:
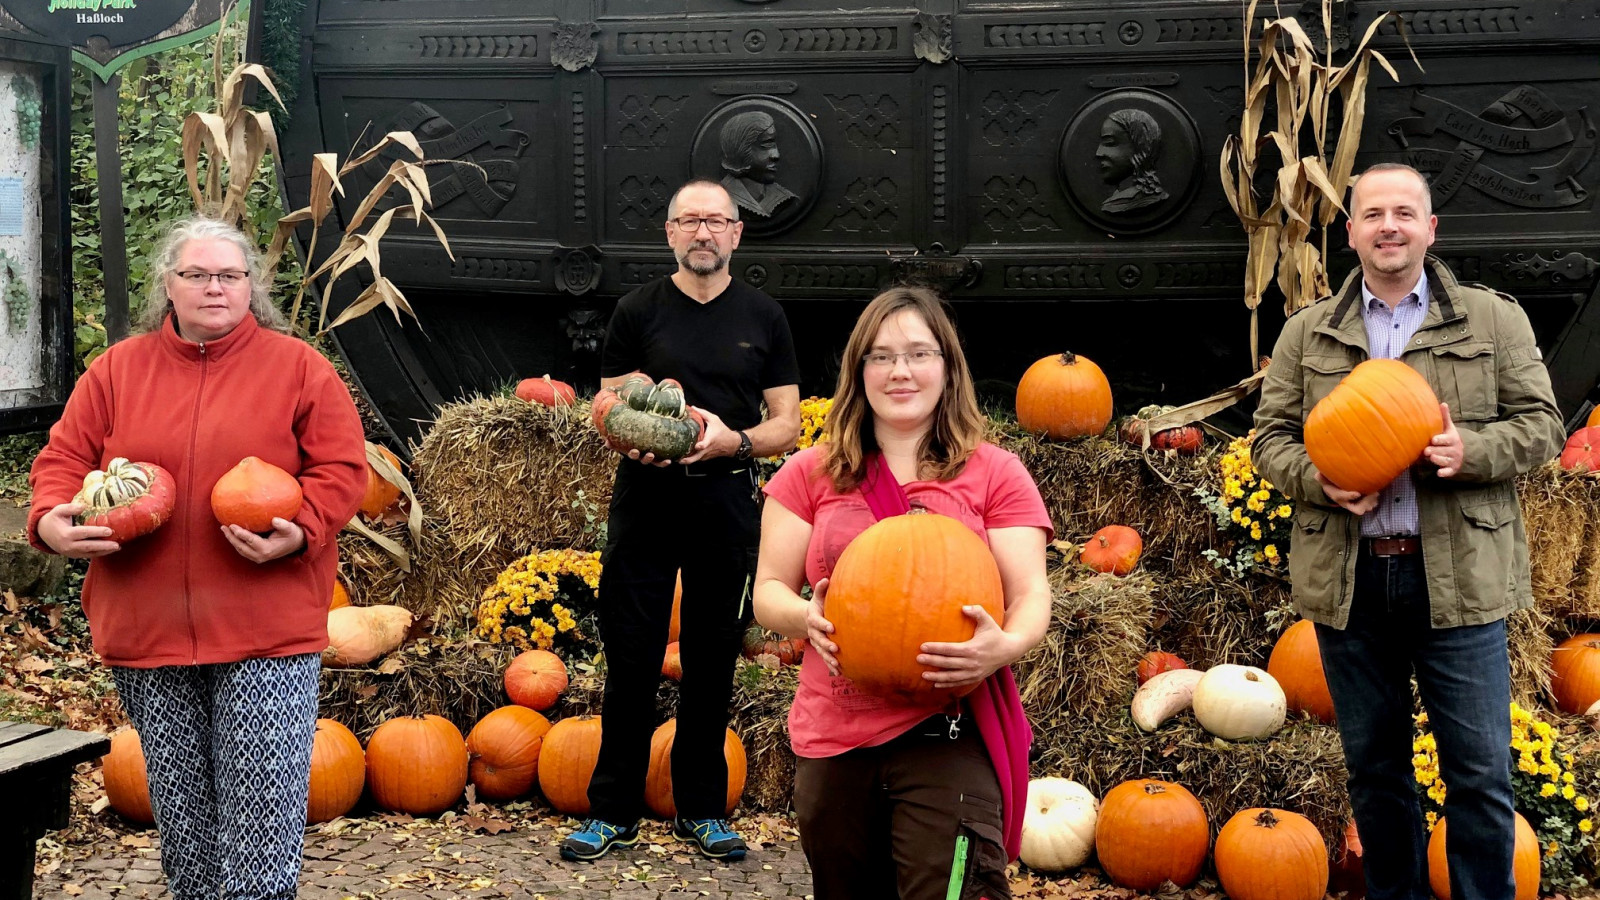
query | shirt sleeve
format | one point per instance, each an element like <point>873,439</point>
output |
<point>1013,499</point>
<point>76,443</point>
<point>793,485</point>
<point>782,365</point>
<point>333,469</point>
<point>620,354</point>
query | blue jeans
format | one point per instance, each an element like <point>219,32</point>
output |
<point>1464,675</point>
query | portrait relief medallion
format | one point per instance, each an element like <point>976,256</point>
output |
<point>767,154</point>
<point>1129,161</point>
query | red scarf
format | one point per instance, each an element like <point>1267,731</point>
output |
<point>996,706</point>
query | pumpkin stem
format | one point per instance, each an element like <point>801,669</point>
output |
<point>1266,819</point>
<point>1251,676</point>
<point>1068,358</point>
<point>1155,787</point>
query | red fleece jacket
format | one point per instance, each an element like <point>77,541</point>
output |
<point>182,595</point>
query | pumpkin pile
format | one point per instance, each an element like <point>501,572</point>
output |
<point>131,498</point>
<point>639,414</point>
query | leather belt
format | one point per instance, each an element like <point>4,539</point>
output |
<point>1393,546</point>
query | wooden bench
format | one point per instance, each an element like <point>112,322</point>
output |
<point>36,766</point>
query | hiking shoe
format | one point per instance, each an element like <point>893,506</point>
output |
<point>715,837</point>
<point>595,838</point>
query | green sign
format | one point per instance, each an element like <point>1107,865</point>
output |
<point>129,28</point>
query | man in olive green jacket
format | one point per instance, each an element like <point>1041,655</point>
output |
<point>1419,577</point>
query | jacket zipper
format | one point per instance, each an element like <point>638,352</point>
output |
<point>194,431</point>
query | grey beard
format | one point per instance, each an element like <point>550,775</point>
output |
<point>703,270</point>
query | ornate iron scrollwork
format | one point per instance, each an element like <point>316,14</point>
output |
<point>573,46</point>
<point>576,270</point>
<point>936,268</point>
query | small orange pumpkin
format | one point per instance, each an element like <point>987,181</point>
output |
<point>1151,831</point>
<point>658,781</point>
<point>417,765</point>
<point>546,391</point>
<point>1114,549</point>
<point>1064,396</point>
<point>1582,452</point>
<point>1271,854</point>
<point>503,750</point>
<point>1157,661</point>
<point>338,772</point>
<point>535,679</point>
<point>1525,862</point>
<point>1575,673</point>
<point>341,597</point>
<point>1297,664</point>
<point>127,785</point>
<point>566,763</point>
<point>1373,425</point>
<point>381,493</point>
<point>253,493</point>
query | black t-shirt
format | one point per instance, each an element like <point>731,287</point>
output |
<point>725,352</point>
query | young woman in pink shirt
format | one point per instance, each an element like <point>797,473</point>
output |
<point>896,800</point>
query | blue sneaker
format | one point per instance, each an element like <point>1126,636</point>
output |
<point>715,837</point>
<point>595,838</point>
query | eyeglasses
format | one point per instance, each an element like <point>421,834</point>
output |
<point>691,224</point>
<point>201,279</point>
<point>916,359</point>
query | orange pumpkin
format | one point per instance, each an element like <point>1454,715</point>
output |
<point>1575,673</point>
<point>1594,418</point>
<point>381,493</point>
<point>1373,425</point>
<point>1271,854</point>
<point>1114,549</point>
<point>1525,860</point>
<point>341,597</point>
<point>535,679</point>
<point>658,781</point>
<point>127,785</point>
<point>253,493</point>
<point>672,663</point>
<point>1582,452</point>
<point>546,391</point>
<point>566,763</point>
<point>1151,831</point>
<point>417,765</point>
<point>1064,396</point>
<point>503,750</point>
<point>758,641</point>
<point>1155,662</point>
<point>901,582</point>
<point>1297,664</point>
<point>338,772</point>
<point>1348,874</point>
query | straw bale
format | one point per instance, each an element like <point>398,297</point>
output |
<point>461,680</point>
<point>1209,618</point>
<point>1562,514</point>
<point>1529,641</point>
<point>369,573</point>
<point>1084,666</point>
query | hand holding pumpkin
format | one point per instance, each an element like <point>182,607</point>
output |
<point>1446,449</point>
<point>285,538</point>
<point>58,530</point>
<point>818,628</point>
<point>714,439</point>
<point>971,661</point>
<point>1356,502</point>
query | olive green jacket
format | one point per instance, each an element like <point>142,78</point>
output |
<point>1478,352</point>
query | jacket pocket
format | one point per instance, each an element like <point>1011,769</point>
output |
<point>1316,562</point>
<point>1466,379</point>
<point>1491,515</point>
<point>1319,374</point>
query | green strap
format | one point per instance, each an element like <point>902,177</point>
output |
<point>958,870</point>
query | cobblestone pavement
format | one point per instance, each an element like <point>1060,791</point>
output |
<point>396,858</point>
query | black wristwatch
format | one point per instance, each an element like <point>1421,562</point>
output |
<point>743,453</point>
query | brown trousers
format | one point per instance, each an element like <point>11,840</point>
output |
<point>906,819</point>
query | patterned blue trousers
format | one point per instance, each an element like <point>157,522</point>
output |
<point>228,750</point>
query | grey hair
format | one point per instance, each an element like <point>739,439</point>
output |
<point>205,228</point>
<point>1427,189</point>
<point>672,205</point>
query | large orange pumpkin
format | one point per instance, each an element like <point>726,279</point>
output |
<point>566,763</point>
<point>1525,860</point>
<point>1575,673</point>
<point>341,597</point>
<point>535,679</point>
<point>1297,664</point>
<point>381,493</point>
<point>1114,549</point>
<point>1271,854</point>
<point>1151,831</point>
<point>127,785</point>
<point>1064,396</point>
<point>1373,425</point>
<point>338,772</point>
<point>1582,451</point>
<point>253,493</point>
<point>901,582</point>
<point>658,781</point>
<point>504,752</point>
<point>417,765</point>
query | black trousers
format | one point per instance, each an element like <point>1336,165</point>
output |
<point>663,521</point>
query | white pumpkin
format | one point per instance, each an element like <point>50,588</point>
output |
<point>1058,829</point>
<point>1239,703</point>
<point>1163,697</point>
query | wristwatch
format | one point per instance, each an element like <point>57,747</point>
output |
<point>743,453</point>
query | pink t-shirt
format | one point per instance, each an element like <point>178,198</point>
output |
<point>994,490</point>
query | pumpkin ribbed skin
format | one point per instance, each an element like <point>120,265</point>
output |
<point>417,765</point>
<point>1296,663</point>
<point>1271,854</point>
<point>131,498</point>
<point>535,679</point>
<point>639,414</point>
<point>566,763</point>
<point>658,780</point>
<point>1058,827</point>
<point>1114,549</point>
<point>127,785</point>
<point>546,391</point>
<point>901,582</point>
<point>1525,861</point>
<point>1373,425</point>
<point>381,494</point>
<point>1064,396</point>
<point>254,492</point>
<point>1151,831</point>
<point>1582,451</point>
<point>338,772</point>
<point>503,749</point>
<point>1575,673</point>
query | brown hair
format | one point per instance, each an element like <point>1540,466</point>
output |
<point>958,425</point>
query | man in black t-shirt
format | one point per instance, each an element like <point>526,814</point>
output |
<point>730,347</point>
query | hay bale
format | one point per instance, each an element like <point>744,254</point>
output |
<point>370,574</point>
<point>499,478</point>
<point>1209,618</point>
<point>1562,514</point>
<point>1529,642</point>
<point>459,679</point>
<point>1084,666</point>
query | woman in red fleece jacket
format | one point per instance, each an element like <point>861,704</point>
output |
<point>213,634</point>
